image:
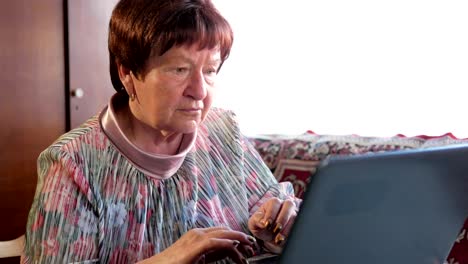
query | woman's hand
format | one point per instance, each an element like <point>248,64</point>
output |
<point>202,245</point>
<point>272,222</point>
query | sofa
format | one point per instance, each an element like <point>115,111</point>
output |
<point>296,158</point>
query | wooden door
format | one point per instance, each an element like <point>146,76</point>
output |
<point>90,84</point>
<point>32,101</point>
<point>40,67</point>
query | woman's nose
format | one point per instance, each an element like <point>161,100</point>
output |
<point>197,87</point>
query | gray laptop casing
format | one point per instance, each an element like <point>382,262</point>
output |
<point>394,207</point>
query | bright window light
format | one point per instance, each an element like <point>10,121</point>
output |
<point>373,68</point>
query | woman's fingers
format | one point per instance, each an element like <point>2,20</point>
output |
<point>215,228</point>
<point>219,244</point>
<point>270,221</point>
<point>281,236</point>
<point>224,232</point>
<point>233,235</point>
<point>255,220</point>
<point>201,245</point>
<point>271,209</point>
<point>222,242</point>
<point>288,209</point>
<point>238,255</point>
<point>246,250</point>
<point>276,244</point>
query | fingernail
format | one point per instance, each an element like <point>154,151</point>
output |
<point>278,239</point>
<point>266,223</point>
<point>235,243</point>
<point>270,224</point>
<point>251,239</point>
<point>277,228</point>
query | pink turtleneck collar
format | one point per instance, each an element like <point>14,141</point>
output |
<point>158,166</point>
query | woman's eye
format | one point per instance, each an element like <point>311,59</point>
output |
<point>211,71</point>
<point>181,69</point>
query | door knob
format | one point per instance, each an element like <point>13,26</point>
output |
<point>77,93</point>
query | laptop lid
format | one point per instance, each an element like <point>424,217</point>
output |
<point>394,207</point>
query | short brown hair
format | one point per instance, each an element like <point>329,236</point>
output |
<point>140,28</point>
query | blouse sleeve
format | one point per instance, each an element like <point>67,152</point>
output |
<point>62,225</point>
<point>261,184</point>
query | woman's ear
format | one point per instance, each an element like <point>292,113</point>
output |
<point>125,75</point>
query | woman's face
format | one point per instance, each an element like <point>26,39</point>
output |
<point>175,94</point>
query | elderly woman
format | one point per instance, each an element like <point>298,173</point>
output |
<point>158,176</point>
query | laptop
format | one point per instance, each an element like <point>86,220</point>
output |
<point>406,206</point>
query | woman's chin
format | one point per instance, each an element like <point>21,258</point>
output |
<point>189,127</point>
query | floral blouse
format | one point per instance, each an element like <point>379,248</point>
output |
<point>96,202</point>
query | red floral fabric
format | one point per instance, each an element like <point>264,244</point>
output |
<point>296,158</point>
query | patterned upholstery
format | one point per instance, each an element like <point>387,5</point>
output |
<point>295,159</point>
